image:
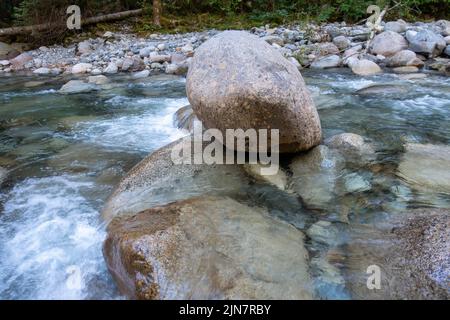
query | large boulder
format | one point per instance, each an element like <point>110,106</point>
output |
<point>207,248</point>
<point>426,167</point>
<point>236,80</point>
<point>426,42</point>
<point>388,43</point>
<point>7,52</point>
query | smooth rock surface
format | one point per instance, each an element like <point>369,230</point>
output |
<point>207,248</point>
<point>388,43</point>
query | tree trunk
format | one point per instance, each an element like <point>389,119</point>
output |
<point>157,12</point>
<point>39,27</point>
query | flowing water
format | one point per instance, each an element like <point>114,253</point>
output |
<point>64,154</point>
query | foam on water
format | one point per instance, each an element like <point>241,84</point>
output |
<point>50,241</point>
<point>143,131</point>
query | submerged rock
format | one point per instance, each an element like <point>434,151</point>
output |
<point>412,254</point>
<point>377,89</point>
<point>77,86</point>
<point>207,248</point>
<point>426,167</point>
<point>236,80</point>
<point>349,142</point>
<point>314,176</point>
<point>100,79</point>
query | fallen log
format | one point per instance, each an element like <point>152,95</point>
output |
<point>91,20</point>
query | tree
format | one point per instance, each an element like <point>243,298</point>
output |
<point>157,12</point>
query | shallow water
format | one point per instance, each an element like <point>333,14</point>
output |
<point>64,155</point>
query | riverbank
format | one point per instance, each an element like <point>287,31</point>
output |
<point>401,47</point>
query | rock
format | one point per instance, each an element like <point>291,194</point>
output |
<point>408,69</point>
<point>237,80</point>
<point>426,167</point>
<point>207,248</point>
<point>324,232</point>
<point>398,26</point>
<point>444,26</point>
<point>188,50</point>
<point>84,47</point>
<point>178,69</point>
<point>42,71</point>
<point>100,79</point>
<point>81,68</point>
<point>159,58</point>
<point>326,62</point>
<point>141,74</point>
<point>348,143</point>
<point>161,47</point>
<point>108,34</point>
<point>279,179</point>
<point>412,76</point>
<point>3,174</point>
<point>133,64</point>
<point>314,176</point>
<point>447,39</point>
<point>351,53</point>
<point>388,43</point>
<point>145,52</point>
<point>447,50</point>
<point>327,48</point>
<point>295,62</point>
<point>274,39</point>
<point>353,182</point>
<point>382,89</point>
<point>4,63</point>
<point>411,250</point>
<point>364,67</point>
<point>111,68</point>
<point>157,180</point>
<point>77,86</point>
<point>404,58</point>
<point>341,42</point>
<point>7,52</point>
<point>96,71</point>
<point>426,42</point>
<point>18,63</point>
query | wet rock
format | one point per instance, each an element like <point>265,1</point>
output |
<point>364,67</point>
<point>81,68</point>
<point>411,251</point>
<point>426,42</point>
<point>325,232</point>
<point>279,179</point>
<point>100,79</point>
<point>407,69</point>
<point>157,180</point>
<point>237,80</point>
<point>314,176</point>
<point>141,74</point>
<point>7,52</point>
<point>349,143</point>
<point>332,61</point>
<point>42,71</point>
<point>426,167</point>
<point>382,89</point>
<point>77,86</point>
<point>412,76</point>
<point>354,182</point>
<point>388,43</point>
<point>207,248</point>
